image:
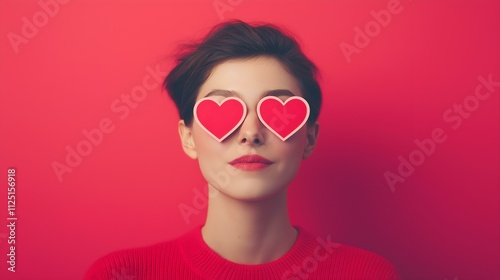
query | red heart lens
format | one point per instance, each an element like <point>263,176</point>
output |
<point>219,120</point>
<point>283,118</point>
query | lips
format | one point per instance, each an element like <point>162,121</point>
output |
<point>251,162</point>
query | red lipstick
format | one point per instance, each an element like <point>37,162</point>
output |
<point>251,162</point>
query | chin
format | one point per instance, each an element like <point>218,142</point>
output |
<point>253,193</point>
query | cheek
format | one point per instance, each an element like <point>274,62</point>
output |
<point>205,144</point>
<point>210,151</point>
<point>293,148</point>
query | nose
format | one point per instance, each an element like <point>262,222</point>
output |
<point>251,131</point>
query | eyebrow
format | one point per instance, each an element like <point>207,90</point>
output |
<point>229,93</point>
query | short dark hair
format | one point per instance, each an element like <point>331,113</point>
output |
<point>235,39</point>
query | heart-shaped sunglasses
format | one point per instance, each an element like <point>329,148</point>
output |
<point>220,119</point>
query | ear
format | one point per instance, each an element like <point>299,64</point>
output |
<point>185,132</point>
<point>312,137</point>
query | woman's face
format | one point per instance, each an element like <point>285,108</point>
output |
<point>251,79</point>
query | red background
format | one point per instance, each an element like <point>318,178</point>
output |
<point>442,222</point>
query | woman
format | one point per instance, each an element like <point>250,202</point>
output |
<point>248,101</point>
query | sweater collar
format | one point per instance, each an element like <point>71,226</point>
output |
<point>210,264</point>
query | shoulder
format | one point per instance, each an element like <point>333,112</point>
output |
<point>131,262</point>
<point>363,264</point>
<point>341,261</point>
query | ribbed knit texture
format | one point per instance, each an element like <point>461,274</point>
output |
<point>189,257</point>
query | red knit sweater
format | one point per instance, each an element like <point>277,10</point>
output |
<point>189,257</point>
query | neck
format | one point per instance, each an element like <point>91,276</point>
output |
<point>248,232</point>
